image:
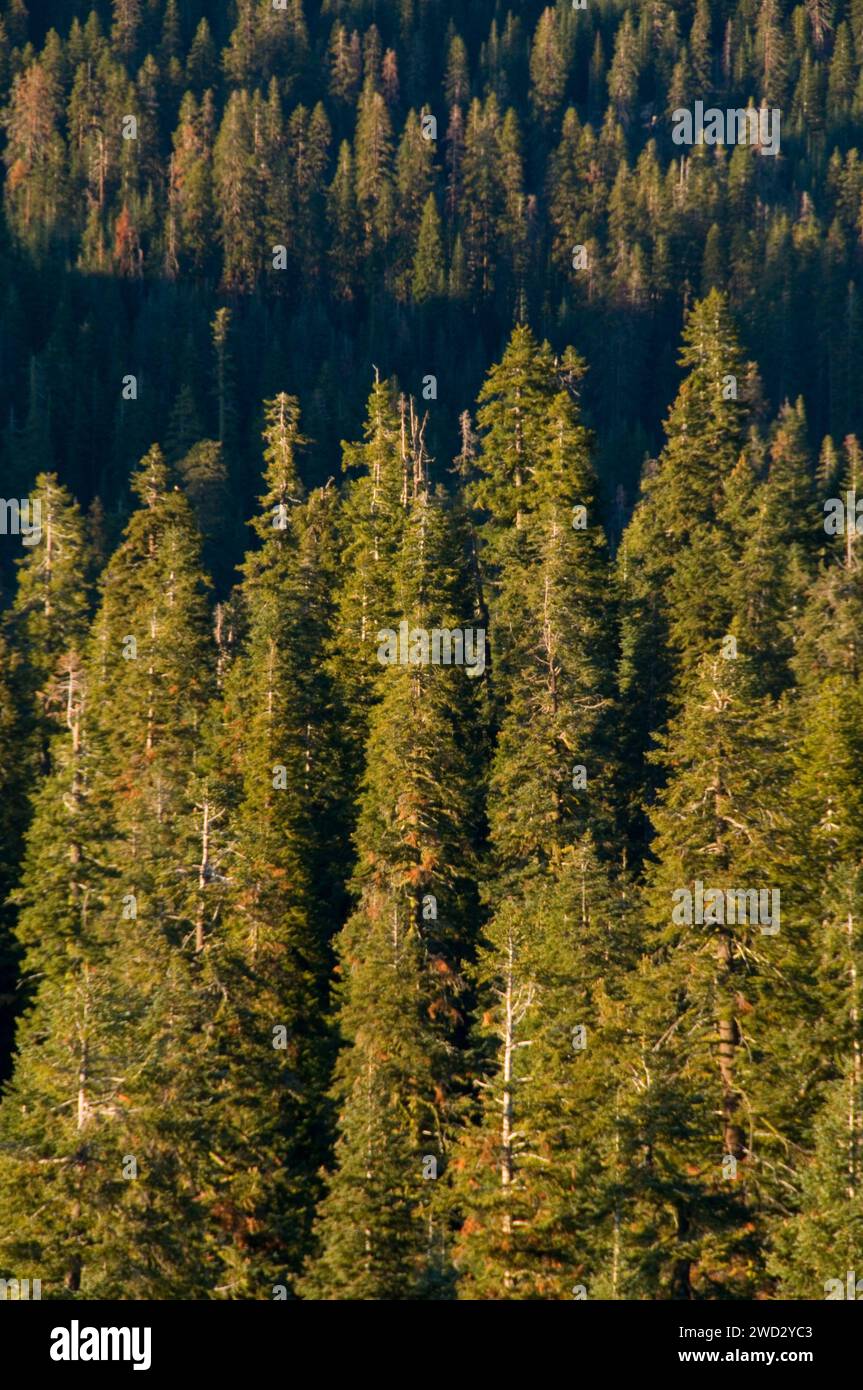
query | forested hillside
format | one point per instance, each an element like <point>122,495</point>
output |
<point>431,704</point>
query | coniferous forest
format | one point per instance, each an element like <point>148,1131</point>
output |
<point>431,650</point>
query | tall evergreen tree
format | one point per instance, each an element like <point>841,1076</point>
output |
<point>557,938</point>
<point>116,1091</point>
<point>400,953</point>
<point>372,524</point>
<point>669,615</point>
<point>703,1131</point>
<point>279,757</point>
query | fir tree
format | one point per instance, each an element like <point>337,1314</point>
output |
<point>278,755</point>
<point>703,1131</point>
<point>373,520</point>
<point>150,658</point>
<point>820,1243</point>
<point>428,274</point>
<point>547,965</point>
<point>400,953</point>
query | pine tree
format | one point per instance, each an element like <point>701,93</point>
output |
<point>225,390</point>
<point>482,192</point>
<point>776,530</point>
<point>703,1136</point>
<point>821,1241</point>
<point>241,59</point>
<point>428,274</point>
<point>705,433</point>
<point>772,52</point>
<point>15,780</point>
<point>548,67</point>
<point>201,62</point>
<point>548,964</point>
<point>414,178</point>
<point>112,1058</point>
<point>126,27</point>
<point>669,616</point>
<point>373,168</point>
<point>277,754</point>
<point>190,194</point>
<point>185,427</point>
<point>840,84</point>
<point>534,1174</point>
<point>828,639</point>
<point>624,72</point>
<point>401,951</point>
<point>552,643</point>
<point>205,481</point>
<point>372,524</point>
<point>345,63</point>
<point>699,48</point>
<point>342,215</point>
<point>512,416</point>
<point>58,1116</point>
<point>151,659</point>
<point>35,156</point>
<point>49,613</point>
<point>457,79</point>
<point>46,625</point>
<point>238,192</point>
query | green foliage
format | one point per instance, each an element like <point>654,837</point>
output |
<point>553,951</point>
<point>401,988</point>
<point>299,941</point>
<point>274,779</point>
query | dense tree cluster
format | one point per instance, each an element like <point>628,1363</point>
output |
<point>348,977</point>
<point>331,968</point>
<point>376,181</point>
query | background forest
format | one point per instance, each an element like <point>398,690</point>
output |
<point>327,978</point>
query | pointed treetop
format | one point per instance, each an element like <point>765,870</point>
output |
<point>221,326</point>
<point>282,438</point>
<point>153,477</point>
<point>709,335</point>
<point>381,426</point>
